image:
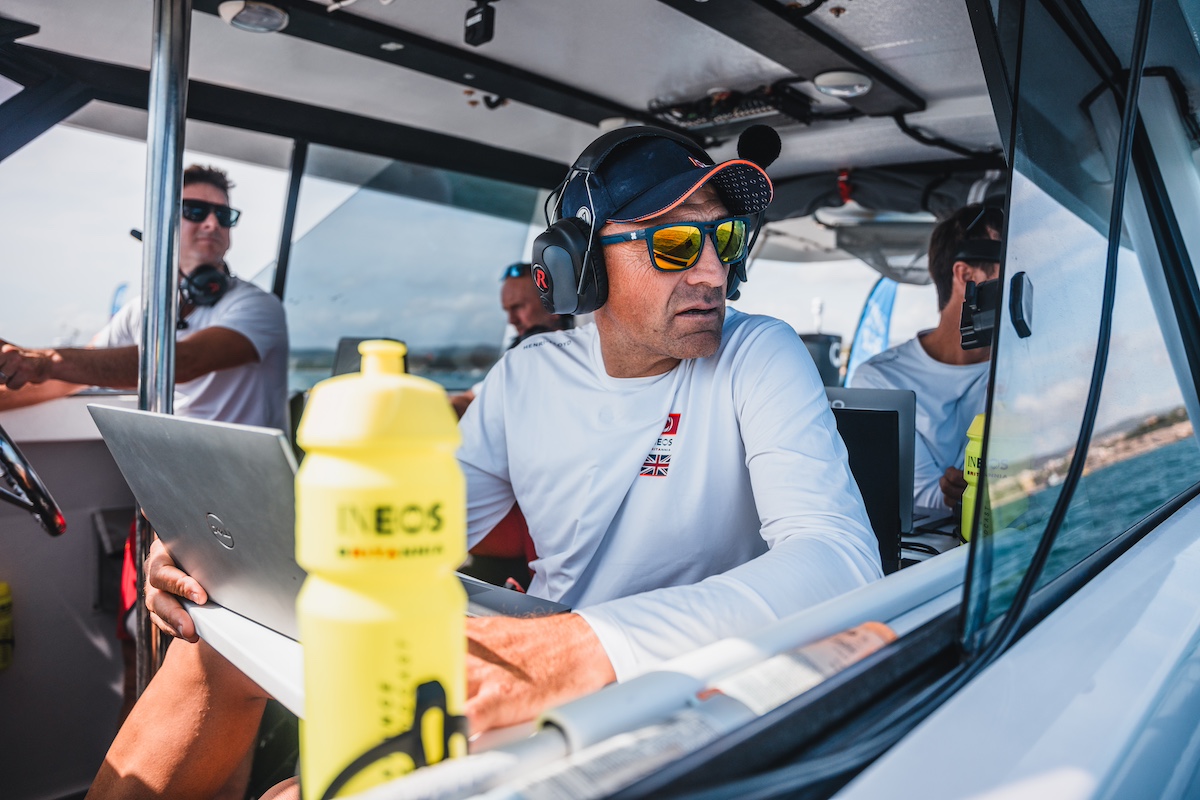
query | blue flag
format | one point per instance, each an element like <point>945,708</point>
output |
<point>118,298</point>
<point>871,337</point>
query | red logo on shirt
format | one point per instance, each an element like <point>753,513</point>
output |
<point>672,426</point>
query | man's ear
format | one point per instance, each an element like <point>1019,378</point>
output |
<point>964,272</point>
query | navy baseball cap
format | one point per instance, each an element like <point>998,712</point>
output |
<point>648,176</point>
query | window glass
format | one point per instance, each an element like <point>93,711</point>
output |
<point>1143,450</point>
<point>828,297</point>
<point>70,199</point>
<point>409,252</point>
<point>8,88</point>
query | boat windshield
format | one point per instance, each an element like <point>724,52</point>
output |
<point>411,253</point>
<point>1142,449</point>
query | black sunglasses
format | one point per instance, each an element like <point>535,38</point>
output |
<point>198,211</point>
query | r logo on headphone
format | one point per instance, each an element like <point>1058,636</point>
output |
<point>541,279</point>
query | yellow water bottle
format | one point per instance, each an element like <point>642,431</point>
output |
<point>972,467</point>
<point>380,528</point>
<point>6,626</point>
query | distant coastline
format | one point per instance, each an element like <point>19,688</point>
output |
<point>1132,439</point>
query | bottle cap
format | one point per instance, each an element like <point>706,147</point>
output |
<point>380,407</point>
<point>380,357</point>
<point>976,429</point>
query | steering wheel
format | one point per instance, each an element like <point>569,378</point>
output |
<point>25,489</point>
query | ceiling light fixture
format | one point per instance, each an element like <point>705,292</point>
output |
<point>843,84</point>
<point>253,15</point>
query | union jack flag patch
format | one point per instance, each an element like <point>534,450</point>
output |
<point>656,466</point>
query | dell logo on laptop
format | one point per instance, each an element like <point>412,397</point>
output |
<point>218,530</point>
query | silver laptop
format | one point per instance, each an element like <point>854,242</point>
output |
<point>221,498</point>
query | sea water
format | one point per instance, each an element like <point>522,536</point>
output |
<point>1106,503</point>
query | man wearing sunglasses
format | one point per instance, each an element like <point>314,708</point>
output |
<point>231,344</point>
<point>677,463</point>
<point>521,304</point>
<point>950,382</point>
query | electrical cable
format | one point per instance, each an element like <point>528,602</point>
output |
<point>896,723</point>
<point>937,141</point>
<point>920,547</point>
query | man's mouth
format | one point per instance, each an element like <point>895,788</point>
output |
<point>703,311</point>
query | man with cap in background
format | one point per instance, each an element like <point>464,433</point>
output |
<point>521,303</point>
<point>526,314</point>
<point>950,382</point>
<point>678,465</point>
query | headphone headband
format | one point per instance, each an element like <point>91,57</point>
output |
<point>568,267</point>
<point>594,154</point>
<point>978,250</point>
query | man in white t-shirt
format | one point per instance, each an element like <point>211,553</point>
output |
<point>679,467</point>
<point>231,343</point>
<point>230,353</point>
<point>950,382</point>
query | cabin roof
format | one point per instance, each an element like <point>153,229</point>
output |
<point>573,61</point>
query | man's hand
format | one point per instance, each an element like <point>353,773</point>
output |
<point>164,581</point>
<point>952,484</point>
<point>517,668</point>
<point>460,401</point>
<point>19,366</point>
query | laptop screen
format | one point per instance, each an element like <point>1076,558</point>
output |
<point>878,427</point>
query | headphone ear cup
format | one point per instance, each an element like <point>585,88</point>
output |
<point>205,286</point>
<point>568,278</point>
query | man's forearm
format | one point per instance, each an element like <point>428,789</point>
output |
<point>640,631</point>
<point>116,367</point>
<point>35,393</point>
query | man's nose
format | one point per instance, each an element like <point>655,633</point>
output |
<point>708,269</point>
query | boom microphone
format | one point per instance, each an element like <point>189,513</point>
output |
<point>760,144</point>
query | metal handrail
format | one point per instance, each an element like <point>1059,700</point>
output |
<point>164,167</point>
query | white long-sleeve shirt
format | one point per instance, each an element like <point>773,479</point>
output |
<point>675,510</point>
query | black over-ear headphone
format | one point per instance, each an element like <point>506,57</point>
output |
<point>568,268</point>
<point>204,286</point>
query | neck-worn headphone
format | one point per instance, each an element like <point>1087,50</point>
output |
<point>568,268</point>
<point>203,287</point>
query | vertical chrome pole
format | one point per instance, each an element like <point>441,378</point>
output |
<point>160,302</point>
